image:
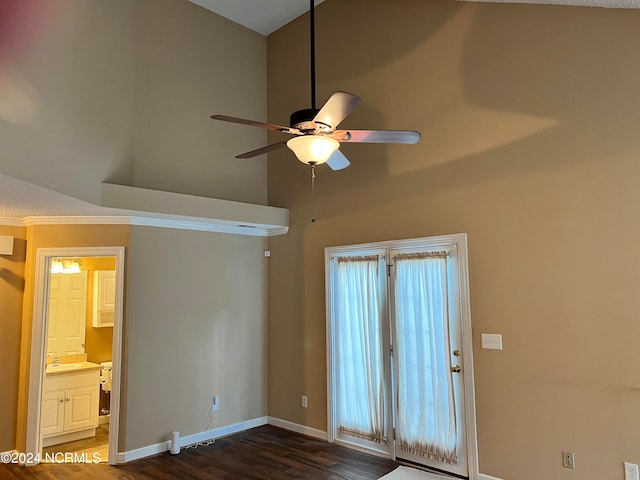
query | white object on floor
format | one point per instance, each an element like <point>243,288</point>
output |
<point>407,473</point>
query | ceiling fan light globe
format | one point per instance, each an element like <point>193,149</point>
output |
<point>313,149</point>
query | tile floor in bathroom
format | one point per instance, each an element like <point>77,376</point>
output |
<point>99,444</point>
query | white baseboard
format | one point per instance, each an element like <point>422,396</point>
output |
<point>222,431</point>
<point>102,419</point>
<point>296,427</point>
<point>482,476</point>
<point>138,453</point>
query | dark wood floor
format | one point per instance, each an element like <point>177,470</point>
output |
<point>263,453</point>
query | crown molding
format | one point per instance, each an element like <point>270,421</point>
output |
<point>180,224</point>
<point>11,222</point>
<point>76,220</point>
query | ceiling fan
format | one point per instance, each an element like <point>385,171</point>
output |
<point>316,138</point>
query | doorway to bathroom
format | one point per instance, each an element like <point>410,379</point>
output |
<point>74,383</point>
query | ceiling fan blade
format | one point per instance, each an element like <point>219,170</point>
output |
<point>253,123</point>
<point>260,151</point>
<point>337,161</point>
<point>339,105</point>
<point>377,136</point>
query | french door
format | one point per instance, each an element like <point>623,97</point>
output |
<point>395,350</point>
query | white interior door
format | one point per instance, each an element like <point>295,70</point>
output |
<point>427,346</point>
<point>67,313</point>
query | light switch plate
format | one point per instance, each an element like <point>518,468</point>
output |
<point>631,471</point>
<point>492,341</point>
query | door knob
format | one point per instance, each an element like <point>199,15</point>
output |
<point>457,353</point>
<point>456,369</point>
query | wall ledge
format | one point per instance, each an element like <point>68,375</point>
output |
<point>158,208</point>
<point>155,208</point>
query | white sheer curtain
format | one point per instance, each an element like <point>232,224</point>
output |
<point>357,314</point>
<point>426,419</point>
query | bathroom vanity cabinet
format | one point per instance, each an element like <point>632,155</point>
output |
<point>70,406</point>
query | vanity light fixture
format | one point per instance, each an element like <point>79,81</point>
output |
<point>65,265</point>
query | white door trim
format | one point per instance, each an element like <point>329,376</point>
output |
<point>460,240</point>
<point>39,332</point>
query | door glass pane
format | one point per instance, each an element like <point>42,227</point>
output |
<point>357,314</point>
<point>426,416</point>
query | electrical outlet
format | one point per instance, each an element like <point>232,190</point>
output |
<point>216,403</point>
<point>568,460</point>
<point>631,471</point>
<point>304,401</point>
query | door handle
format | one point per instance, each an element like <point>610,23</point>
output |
<point>456,369</point>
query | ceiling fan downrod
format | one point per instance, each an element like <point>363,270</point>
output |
<point>312,33</point>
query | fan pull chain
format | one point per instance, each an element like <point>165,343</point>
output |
<point>313,193</point>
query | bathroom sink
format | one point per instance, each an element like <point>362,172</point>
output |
<point>65,367</point>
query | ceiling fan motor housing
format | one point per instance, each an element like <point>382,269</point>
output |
<point>303,121</point>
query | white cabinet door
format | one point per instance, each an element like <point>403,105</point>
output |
<point>104,297</point>
<point>53,406</point>
<point>81,408</point>
<point>107,290</point>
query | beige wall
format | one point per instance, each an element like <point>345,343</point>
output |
<point>197,328</point>
<point>67,95</point>
<point>191,64</point>
<point>530,145</point>
<point>12,281</point>
<point>58,236</point>
<point>121,91</point>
